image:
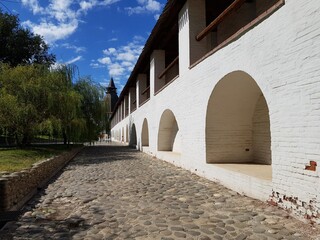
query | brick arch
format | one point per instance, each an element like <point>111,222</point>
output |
<point>168,137</point>
<point>237,122</point>
<point>145,133</point>
<point>133,136</point>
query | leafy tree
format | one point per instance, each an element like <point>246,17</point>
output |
<point>23,100</point>
<point>50,127</point>
<point>65,103</point>
<point>106,113</point>
<point>19,45</point>
<point>36,100</point>
<point>91,107</point>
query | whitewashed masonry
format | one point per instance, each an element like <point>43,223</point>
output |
<point>230,90</point>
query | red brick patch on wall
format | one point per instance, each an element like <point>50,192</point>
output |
<point>312,166</point>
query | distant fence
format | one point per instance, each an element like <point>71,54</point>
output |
<point>10,141</point>
<point>7,141</point>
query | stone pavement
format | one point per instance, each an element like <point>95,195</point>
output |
<point>114,192</point>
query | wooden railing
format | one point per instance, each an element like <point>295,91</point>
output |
<point>146,90</point>
<point>241,31</point>
<point>219,19</point>
<point>168,67</point>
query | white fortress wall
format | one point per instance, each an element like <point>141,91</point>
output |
<point>282,55</point>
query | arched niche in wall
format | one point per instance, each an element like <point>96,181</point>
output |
<point>133,136</point>
<point>145,133</point>
<point>168,134</point>
<point>237,122</point>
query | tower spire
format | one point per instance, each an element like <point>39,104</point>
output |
<point>111,95</point>
<point>111,87</point>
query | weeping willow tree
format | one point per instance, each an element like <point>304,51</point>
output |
<point>76,104</point>
<point>65,103</point>
<point>51,128</point>
<point>106,114</point>
<point>37,100</point>
<point>23,100</point>
<point>91,107</point>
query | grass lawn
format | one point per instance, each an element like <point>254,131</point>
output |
<point>14,159</point>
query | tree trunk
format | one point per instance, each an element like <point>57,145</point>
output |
<point>26,140</point>
<point>65,139</point>
<point>6,136</point>
<point>17,139</point>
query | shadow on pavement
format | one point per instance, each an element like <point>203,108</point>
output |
<point>47,224</point>
<point>42,225</point>
<point>106,153</point>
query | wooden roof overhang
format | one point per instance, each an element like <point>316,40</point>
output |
<point>165,34</point>
<point>165,31</point>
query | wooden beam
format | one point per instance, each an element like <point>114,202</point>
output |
<point>169,67</point>
<point>144,91</point>
<point>219,19</point>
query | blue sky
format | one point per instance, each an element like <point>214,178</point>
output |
<point>103,38</point>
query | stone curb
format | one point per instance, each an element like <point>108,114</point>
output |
<point>19,187</point>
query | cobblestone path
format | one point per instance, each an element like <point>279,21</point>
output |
<point>113,192</point>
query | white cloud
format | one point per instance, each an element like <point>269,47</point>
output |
<point>113,39</point>
<point>135,10</point>
<point>96,65</point>
<point>60,63</point>
<point>76,59</point>
<point>60,5</point>
<point>107,2</point>
<point>152,5</point>
<point>60,18</point>
<point>120,61</point>
<point>61,11</point>
<point>127,64</point>
<point>73,47</point>
<point>137,39</point>
<point>105,83</point>
<point>145,6</point>
<point>109,51</point>
<point>156,17</point>
<point>86,5</point>
<point>105,60</point>
<point>33,5</point>
<point>126,56</point>
<point>116,70</point>
<point>53,32</point>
